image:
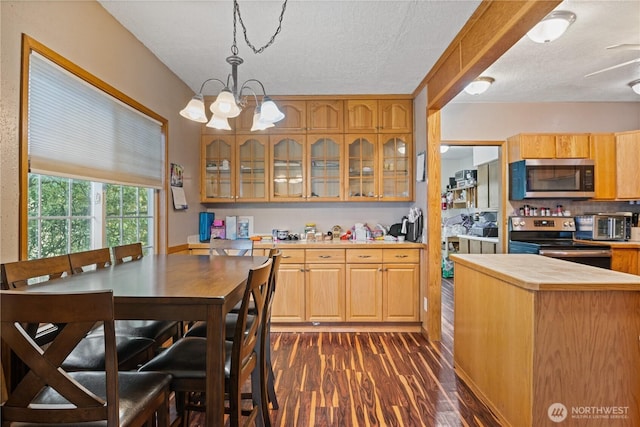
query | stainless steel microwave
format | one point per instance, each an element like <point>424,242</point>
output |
<point>551,178</point>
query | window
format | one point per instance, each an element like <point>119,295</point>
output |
<point>94,161</point>
<point>70,215</point>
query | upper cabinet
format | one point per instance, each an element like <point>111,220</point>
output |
<point>488,187</point>
<point>325,116</point>
<point>385,116</point>
<point>323,150</point>
<point>548,146</point>
<point>379,167</point>
<point>616,158</point>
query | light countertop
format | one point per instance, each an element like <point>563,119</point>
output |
<point>333,244</point>
<point>539,273</point>
<point>614,244</point>
<point>482,239</point>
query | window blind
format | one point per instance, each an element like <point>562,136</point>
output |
<point>77,130</point>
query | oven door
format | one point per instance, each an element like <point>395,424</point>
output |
<point>594,257</point>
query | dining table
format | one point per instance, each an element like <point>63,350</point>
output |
<point>174,287</point>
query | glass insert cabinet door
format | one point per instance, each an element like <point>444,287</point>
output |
<point>252,168</point>
<point>361,171</point>
<point>288,171</point>
<point>218,158</point>
<point>396,168</point>
<point>325,168</point>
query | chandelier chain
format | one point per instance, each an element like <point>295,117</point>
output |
<point>236,13</point>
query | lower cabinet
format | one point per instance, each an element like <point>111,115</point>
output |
<point>352,285</point>
<point>626,260</point>
<point>385,291</point>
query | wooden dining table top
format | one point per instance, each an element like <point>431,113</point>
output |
<point>174,287</point>
<point>169,280</point>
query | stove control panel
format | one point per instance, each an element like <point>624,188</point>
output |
<point>542,223</point>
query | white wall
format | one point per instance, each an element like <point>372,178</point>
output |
<point>499,121</point>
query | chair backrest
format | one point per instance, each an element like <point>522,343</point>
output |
<point>125,253</point>
<point>77,313</point>
<point>90,260</point>
<point>243,354</point>
<point>22,273</point>
<point>239,247</point>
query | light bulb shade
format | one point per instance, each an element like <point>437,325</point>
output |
<point>635,86</point>
<point>259,124</point>
<point>269,111</point>
<point>444,149</point>
<point>479,85</point>
<point>552,26</point>
<point>225,105</point>
<point>195,110</point>
<point>218,123</point>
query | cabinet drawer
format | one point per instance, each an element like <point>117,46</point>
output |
<point>364,255</point>
<point>400,255</point>
<point>292,256</point>
<point>324,255</point>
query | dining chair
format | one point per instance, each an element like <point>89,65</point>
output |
<point>186,359</point>
<point>23,273</point>
<point>90,260</point>
<point>48,393</point>
<point>239,247</point>
<point>264,378</point>
<point>160,331</point>
<point>126,253</point>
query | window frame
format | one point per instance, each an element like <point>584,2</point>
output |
<point>30,45</point>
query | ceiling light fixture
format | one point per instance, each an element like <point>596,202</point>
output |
<point>230,101</point>
<point>479,85</point>
<point>444,149</point>
<point>635,86</point>
<point>552,26</point>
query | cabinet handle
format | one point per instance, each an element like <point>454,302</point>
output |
<point>402,256</point>
<point>286,256</point>
<point>364,256</point>
<point>325,256</point>
<point>380,270</point>
<point>303,270</point>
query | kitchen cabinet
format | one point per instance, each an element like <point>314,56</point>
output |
<point>379,167</point>
<point>252,169</point>
<point>325,116</point>
<point>384,116</point>
<point>616,158</point>
<point>626,260</point>
<point>382,285</point>
<point>325,166</point>
<point>548,146</point>
<point>323,150</point>
<point>488,186</point>
<point>289,298</point>
<point>325,285</point>
<point>288,167</point>
<point>477,245</point>
<point>218,168</point>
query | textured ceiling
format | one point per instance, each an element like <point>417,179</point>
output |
<point>380,47</point>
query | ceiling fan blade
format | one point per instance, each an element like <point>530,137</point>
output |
<point>624,46</point>
<point>614,67</point>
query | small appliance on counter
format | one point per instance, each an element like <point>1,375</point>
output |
<point>604,226</point>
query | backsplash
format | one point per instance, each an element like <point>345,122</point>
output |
<point>576,207</point>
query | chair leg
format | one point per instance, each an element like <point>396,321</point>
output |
<point>270,377</point>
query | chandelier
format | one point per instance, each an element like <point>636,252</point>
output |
<point>231,99</point>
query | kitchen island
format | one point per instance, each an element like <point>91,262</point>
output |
<point>539,339</point>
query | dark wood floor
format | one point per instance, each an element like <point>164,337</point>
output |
<point>371,379</point>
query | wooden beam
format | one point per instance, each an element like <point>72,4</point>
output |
<point>493,28</point>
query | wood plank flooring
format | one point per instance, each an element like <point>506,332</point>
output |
<point>371,379</point>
